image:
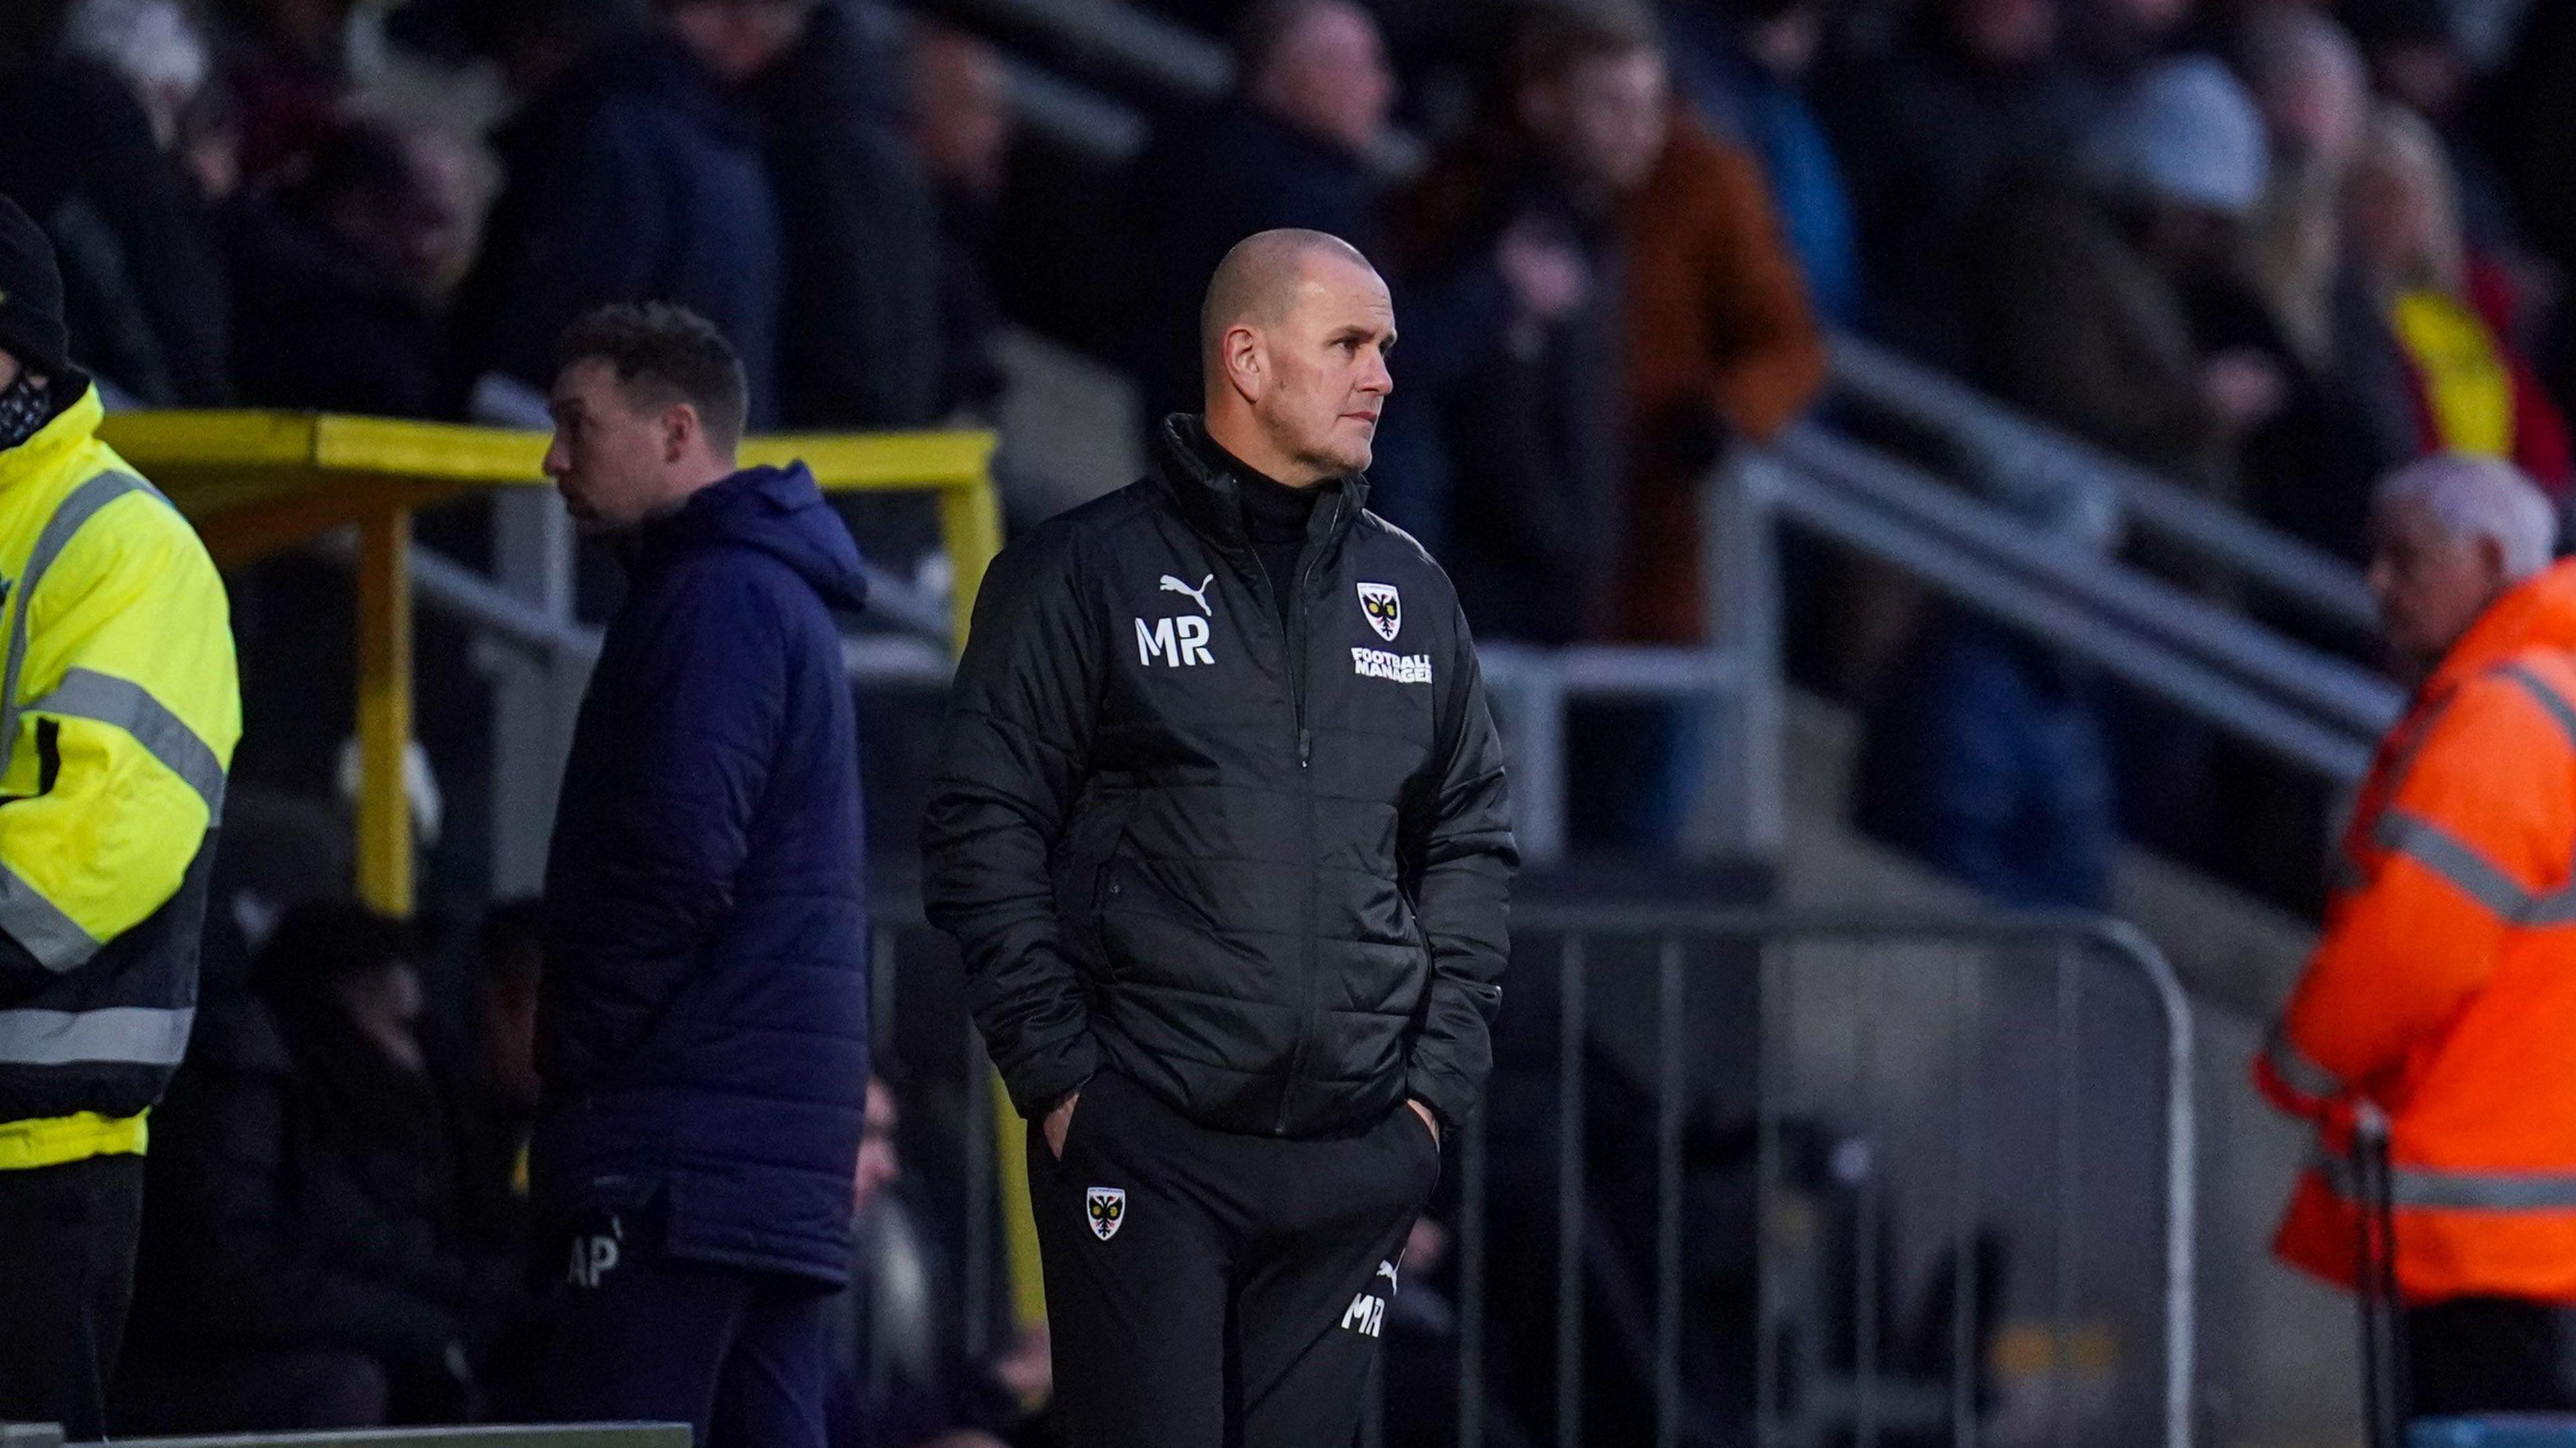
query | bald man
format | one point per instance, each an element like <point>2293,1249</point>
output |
<point>1222,833</point>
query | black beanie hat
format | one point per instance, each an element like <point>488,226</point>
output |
<point>31,295</point>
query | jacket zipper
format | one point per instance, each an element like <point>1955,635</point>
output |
<point>1297,668</point>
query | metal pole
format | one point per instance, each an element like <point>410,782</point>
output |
<point>1669,1104</point>
<point>980,1222</point>
<point>1471,1285</point>
<point>1570,1205</point>
<point>1770,1093</point>
<point>1964,1200</point>
<point>2061,1401</point>
<point>1865,1263</point>
<point>1740,806</point>
<point>384,647</point>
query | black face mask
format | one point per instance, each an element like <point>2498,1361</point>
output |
<point>25,407</point>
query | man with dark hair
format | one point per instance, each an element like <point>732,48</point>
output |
<point>1222,833</point>
<point>702,1018</point>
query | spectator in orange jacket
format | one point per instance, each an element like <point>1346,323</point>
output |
<point>2444,993</point>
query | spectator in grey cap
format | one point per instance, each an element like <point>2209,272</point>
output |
<point>2077,289</point>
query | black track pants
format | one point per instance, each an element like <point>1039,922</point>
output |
<point>67,1242</point>
<point>1210,1290</point>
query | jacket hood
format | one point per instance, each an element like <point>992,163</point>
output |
<point>2539,612</point>
<point>779,511</point>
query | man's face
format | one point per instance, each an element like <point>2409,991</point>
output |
<point>878,1164</point>
<point>1330,76</point>
<point>2394,215</point>
<point>962,112</point>
<point>510,1036</point>
<point>2005,33</point>
<point>1606,119</point>
<point>612,460</point>
<point>738,39</point>
<point>1325,379</point>
<point>2431,585</point>
<point>8,371</point>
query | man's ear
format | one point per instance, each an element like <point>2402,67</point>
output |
<point>679,429</point>
<point>1247,361</point>
<point>2491,558</point>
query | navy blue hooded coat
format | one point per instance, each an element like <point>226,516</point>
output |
<point>702,1022</point>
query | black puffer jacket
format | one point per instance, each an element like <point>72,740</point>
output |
<point>1263,876</point>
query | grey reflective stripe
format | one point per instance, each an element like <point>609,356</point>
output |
<point>135,1035</point>
<point>2545,696</point>
<point>2467,1191</point>
<point>2431,846</point>
<point>2298,1072</point>
<point>76,508</point>
<point>88,694</point>
<point>37,924</point>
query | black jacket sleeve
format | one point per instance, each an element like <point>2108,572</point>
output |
<point>1018,750</point>
<point>1458,836</point>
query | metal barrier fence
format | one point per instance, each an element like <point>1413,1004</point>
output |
<point>1721,1150</point>
<point>568,1435</point>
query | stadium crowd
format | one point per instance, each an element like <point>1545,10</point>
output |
<point>2271,248</point>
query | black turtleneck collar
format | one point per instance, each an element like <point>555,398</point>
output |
<point>1275,515</point>
<point>1271,509</point>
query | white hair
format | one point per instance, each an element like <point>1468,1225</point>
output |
<point>2481,497</point>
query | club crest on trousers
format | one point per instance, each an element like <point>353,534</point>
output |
<point>1107,1208</point>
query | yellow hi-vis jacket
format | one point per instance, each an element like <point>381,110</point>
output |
<point>119,707</point>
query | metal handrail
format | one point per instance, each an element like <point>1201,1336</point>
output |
<point>2016,445</point>
<point>2135,658</point>
<point>2321,683</point>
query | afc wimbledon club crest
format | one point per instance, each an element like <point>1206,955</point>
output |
<point>1108,1208</point>
<point>1384,609</point>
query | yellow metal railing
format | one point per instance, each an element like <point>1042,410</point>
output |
<point>258,482</point>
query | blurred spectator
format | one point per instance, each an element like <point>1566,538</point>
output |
<point>288,63</point>
<point>2078,288</point>
<point>142,272</point>
<point>962,125</point>
<point>902,1384</point>
<point>1721,344</point>
<point>304,1229</point>
<point>2474,392</point>
<point>2115,40</point>
<point>2530,128</point>
<point>2415,60</point>
<point>509,959</point>
<point>1292,149</point>
<point>631,174</point>
<point>1743,66</point>
<point>2294,303</point>
<point>2308,78</point>
<point>2295,300</point>
<point>334,281</point>
<point>858,343</point>
<point>1985,756</point>
<point>1507,420</point>
<point>1977,87</point>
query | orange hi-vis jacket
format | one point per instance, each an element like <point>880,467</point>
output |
<point>2444,993</point>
